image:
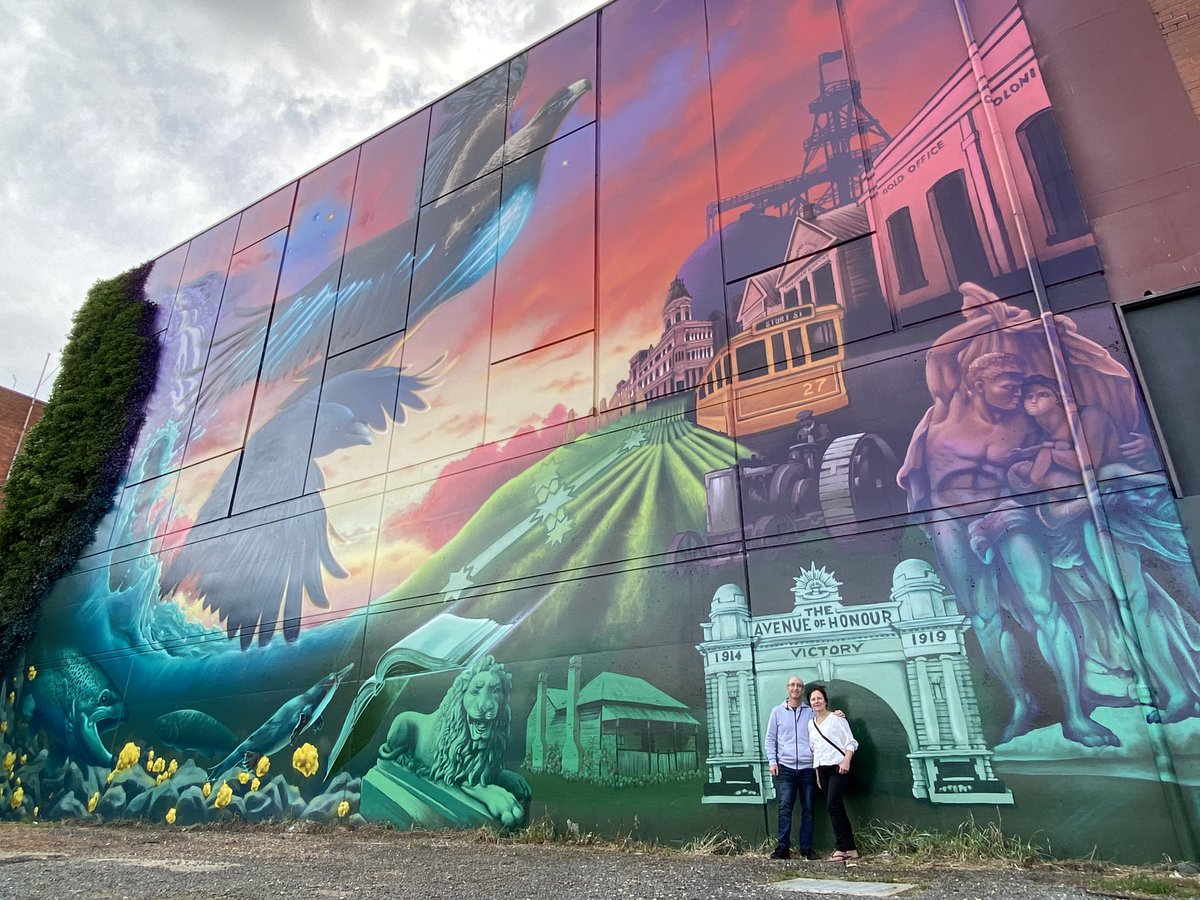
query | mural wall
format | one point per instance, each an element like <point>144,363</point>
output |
<point>508,464</point>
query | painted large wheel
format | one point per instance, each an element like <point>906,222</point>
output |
<point>785,486</point>
<point>686,550</point>
<point>858,479</point>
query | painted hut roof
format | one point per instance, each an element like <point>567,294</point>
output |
<point>627,712</point>
<point>609,687</point>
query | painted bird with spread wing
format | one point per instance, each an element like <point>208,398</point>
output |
<point>256,581</point>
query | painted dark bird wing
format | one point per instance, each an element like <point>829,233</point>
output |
<point>473,227</point>
<point>256,579</point>
<point>300,325</point>
<point>471,130</point>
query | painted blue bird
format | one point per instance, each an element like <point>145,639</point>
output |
<point>477,227</point>
<point>257,579</point>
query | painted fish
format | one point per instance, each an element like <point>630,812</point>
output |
<point>291,720</point>
<point>76,703</point>
<point>192,731</point>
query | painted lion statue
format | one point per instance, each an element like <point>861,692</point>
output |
<point>463,742</point>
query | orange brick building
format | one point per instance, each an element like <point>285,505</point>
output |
<point>14,408</point>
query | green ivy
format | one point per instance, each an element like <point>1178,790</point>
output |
<point>67,474</point>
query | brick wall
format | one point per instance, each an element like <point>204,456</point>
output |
<point>14,408</point>
<point>1179,21</point>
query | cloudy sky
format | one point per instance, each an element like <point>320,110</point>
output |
<point>126,128</point>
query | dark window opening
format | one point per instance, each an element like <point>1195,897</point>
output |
<point>962,247</point>
<point>779,359</point>
<point>752,360</point>
<point>790,299</point>
<point>905,252</point>
<point>1047,162</point>
<point>822,340</point>
<point>823,285</point>
<point>796,345</point>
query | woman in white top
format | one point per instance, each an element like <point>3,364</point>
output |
<point>833,747</point>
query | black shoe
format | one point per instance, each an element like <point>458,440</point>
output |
<point>781,852</point>
<point>809,855</point>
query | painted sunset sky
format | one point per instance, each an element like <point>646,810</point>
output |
<point>621,206</point>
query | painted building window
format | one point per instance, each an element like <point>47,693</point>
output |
<point>823,285</point>
<point>958,232</point>
<point>905,251</point>
<point>1051,173</point>
<point>791,299</point>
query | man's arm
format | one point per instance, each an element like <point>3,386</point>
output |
<point>770,744</point>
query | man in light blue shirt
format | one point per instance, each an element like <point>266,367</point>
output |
<point>790,756</point>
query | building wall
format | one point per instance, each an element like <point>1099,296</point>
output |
<point>1179,22</point>
<point>14,409</point>
<point>395,469</point>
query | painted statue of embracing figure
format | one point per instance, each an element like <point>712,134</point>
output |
<point>998,428</point>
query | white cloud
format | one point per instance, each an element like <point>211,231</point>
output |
<point>126,128</point>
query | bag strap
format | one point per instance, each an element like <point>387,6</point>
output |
<point>827,740</point>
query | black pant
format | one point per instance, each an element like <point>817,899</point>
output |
<point>833,786</point>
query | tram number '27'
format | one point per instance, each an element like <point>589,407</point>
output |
<point>719,656</point>
<point>921,638</point>
<point>814,388</point>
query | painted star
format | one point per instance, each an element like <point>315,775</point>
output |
<point>553,504</point>
<point>636,439</point>
<point>459,581</point>
<point>556,532</point>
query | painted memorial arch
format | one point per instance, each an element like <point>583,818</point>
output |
<point>910,651</point>
<point>464,440</point>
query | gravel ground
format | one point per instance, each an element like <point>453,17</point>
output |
<point>304,861</point>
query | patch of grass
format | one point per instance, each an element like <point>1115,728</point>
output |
<point>720,843</point>
<point>971,842</point>
<point>1143,884</point>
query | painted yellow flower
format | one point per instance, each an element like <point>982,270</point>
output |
<point>160,778</point>
<point>17,782</point>
<point>150,756</point>
<point>92,801</point>
<point>32,673</point>
<point>343,808</point>
<point>243,777</point>
<point>110,777</point>
<point>129,756</point>
<point>173,767</point>
<point>224,795</point>
<point>160,765</point>
<point>10,759</point>
<point>12,697</point>
<point>263,767</point>
<point>35,812</point>
<point>24,756</point>
<point>207,789</point>
<point>305,760</point>
<point>18,797</point>
<point>254,784</point>
<point>4,726</point>
<point>171,816</point>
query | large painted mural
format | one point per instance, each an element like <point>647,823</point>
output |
<point>508,464</point>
